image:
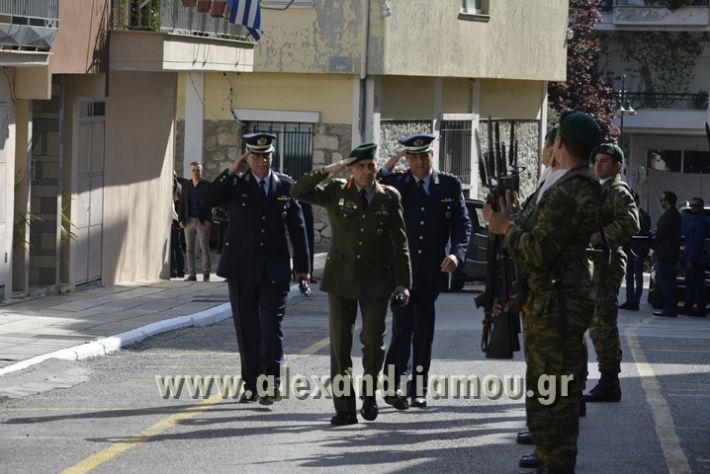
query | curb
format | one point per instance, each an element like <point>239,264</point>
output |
<point>111,344</point>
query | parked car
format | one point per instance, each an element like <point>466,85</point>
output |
<point>474,267</point>
<point>655,295</point>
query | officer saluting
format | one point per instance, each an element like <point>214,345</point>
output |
<point>435,215</point>
<point>368,233</point>
<point>256,260</point>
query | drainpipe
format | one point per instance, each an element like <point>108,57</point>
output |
<point>60,187</point>
<point>363,73</point>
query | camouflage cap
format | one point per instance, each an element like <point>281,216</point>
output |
<point>611,149</point>
<point>580,128</point>
<point>366,151</point>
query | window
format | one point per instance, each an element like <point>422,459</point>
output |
<point>294,146</point>
<point>476,10</point>
<point>455,148</point>
<point>691,162</point>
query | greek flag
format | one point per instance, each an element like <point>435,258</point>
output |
<point>247,13</point>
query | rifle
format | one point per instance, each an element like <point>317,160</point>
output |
<point>500,333</point>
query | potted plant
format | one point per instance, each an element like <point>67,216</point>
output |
<point>203,6</point>
<point>218,8</point>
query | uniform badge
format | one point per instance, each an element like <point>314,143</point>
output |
<point>262,141</point>
<point>244,195</point>
<point>247,177</point>
<point>436,179</point>
<point>284,214</point>
<point>380,231</point>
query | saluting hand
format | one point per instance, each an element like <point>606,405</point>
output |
<point>240,165</point>
<point>449,264</point>
<point>395,159</point>
<point>338,165</point>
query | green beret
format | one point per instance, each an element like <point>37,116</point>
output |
<point>552,134</point>
<point>611,149</point>
<point>366,151</point>
<point>581,129</point>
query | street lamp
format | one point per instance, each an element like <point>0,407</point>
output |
<point>624,107</point>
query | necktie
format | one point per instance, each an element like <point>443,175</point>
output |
<point>363,199</point>
<point>262,186</point>
<point>420,183</point>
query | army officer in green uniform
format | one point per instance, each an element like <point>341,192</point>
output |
<point>368,261</point>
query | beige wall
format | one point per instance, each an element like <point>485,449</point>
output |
<point>81,44</point>
<point>331,95</point>
<point>511,99</point>
<point>138,176</point>
<point>524,39</point>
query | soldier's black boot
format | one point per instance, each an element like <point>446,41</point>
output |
<point>524,437</point>
<point>607,390</point>
<point>369,409</point>
<point>529,461</point>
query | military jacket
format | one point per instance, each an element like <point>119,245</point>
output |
<point>552,243</point>
<point>368,254</point>
<point>256,235</point>
<point>619,217</point>
<point>433,221</point>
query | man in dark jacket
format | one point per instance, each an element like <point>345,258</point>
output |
<point>256,260</point>
<point>636,253</point>
<point>666,249</point>
<point>196,219</point>
<point>435,216</point>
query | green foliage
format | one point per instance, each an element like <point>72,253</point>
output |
<point>664,61</point>
<point>585,90</point>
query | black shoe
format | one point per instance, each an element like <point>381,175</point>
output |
<point>666,314</point>
<point>582,407</point>
<point>369,409</point>
<point>524,437</point>
<point>270,399</point>
<point>344,418</point>
<point>624,305</point>
<point>418,402</point>
<point>249,396</point>
<point>398,401</point>
<point>633,307</point>
<point>604,393</point>
<point>541,469</point>
<point>529,460</point>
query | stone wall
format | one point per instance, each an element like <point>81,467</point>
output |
<point>526,134</point>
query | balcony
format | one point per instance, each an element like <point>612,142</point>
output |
<point>166,35</point>
<point>172,17</point>
<point>668,113</point>
<point>654,15</point>
<point>28,26</point>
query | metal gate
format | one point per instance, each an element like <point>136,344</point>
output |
<point>455,149</point>
<point>294,146</point>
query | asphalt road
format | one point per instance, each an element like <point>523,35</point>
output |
<point>107,414</point>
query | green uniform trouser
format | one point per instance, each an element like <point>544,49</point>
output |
<point>342,315</point>
<point>553,367</point>
<point>604,330</point>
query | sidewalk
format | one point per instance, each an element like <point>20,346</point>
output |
<point>98,321</point>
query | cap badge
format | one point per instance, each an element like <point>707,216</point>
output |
<point>262,141</point>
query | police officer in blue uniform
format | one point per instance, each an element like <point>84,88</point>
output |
<point>256,260</point>
<point>436,217</point>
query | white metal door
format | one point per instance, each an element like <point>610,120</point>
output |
<point>6,187</point>
<point>88,218</point>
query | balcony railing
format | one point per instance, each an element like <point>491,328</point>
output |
<point>170,16</point>
<point>690,101</point>
<point>28,24</point>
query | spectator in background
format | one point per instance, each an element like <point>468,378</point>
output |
<point>177,236</point>
<point>696,257</point>
<point>636,253</point>
<point>666,249</point>
<point>196,219</point>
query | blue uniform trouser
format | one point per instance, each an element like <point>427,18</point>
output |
<point>258,309</point>
<point>412,337</point>
<point>665,273</point>
<point>634,280</point>
<point>695,286</point>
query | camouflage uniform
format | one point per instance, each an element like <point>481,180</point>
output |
<point>620,220</point>
<point>551,242</point>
